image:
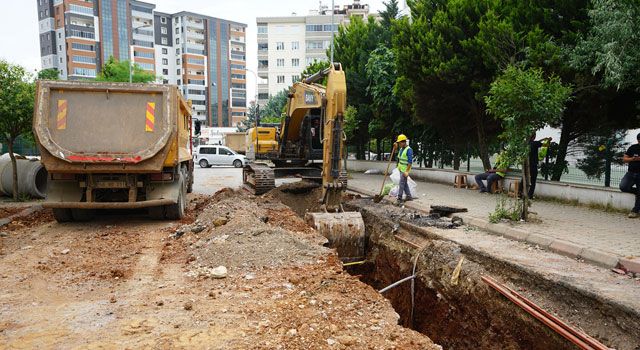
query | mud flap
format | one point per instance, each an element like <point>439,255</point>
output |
<point>168,190</point>
<point>63,191</point>
<point>345,232</point>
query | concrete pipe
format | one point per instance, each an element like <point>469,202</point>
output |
<point>32,177</point>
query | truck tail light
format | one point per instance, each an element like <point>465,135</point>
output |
<point>161,177</point>
<point>60,176</point>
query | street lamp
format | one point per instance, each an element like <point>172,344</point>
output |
<point>133,30</point>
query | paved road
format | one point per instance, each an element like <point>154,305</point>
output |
<point>210,180</point>
<point>610,232</point>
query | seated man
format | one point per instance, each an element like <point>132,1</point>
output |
<point>492,175</point>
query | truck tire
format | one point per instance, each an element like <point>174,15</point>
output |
<point>237,163</point>
<point>176,211</point>
<point>62,214</point>
<point>82,214</point>
<point>203,163</point>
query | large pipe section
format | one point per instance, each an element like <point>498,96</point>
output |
<point>32,177</point>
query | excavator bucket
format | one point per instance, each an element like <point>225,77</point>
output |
<point>345,232</point>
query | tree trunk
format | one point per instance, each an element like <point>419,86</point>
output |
<point>483,149</point>
<point>456,160</point>
<point>15,168</point>
<point>565,138</point>
<point>379,149</point>
<point>526,175</point>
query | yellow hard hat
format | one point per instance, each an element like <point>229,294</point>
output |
<point>401,137</point>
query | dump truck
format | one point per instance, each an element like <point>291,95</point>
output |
<point>113,146</point>
<point>236,141</point>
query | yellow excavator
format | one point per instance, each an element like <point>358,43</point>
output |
<point>310,142</point>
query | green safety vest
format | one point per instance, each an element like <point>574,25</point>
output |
<point>403,160</point>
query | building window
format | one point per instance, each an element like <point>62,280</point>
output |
<point>295,62</point>
<point>59,35</point>
<point>178,71</point>
<point>280,62</point>
<point>263,96</point>
<point>177,41</point>
<point>263,63</point>
<point>179,82</point>
<point>177,51</point>
<point>163,20</point>
<point>165,72</point>
<point>84,59</point>
<point>85,47</point>
<point>238,76</point>
<point>145,66</point>
<point>295,45</point>
<point>195,61</point>
<point>280,79</point>
<point>165,81</point>
<point>315,44</point>
<point>279,46</point>
<point>85,72</point>
<point>177,30</point>
<point>143,54</point>
<point>81,9</point>
<point>165,61</point>
<point>164,41</point>
<point>163,30</point>
<point>262,28</point>
<point>295,78</point>
<point>177,61</point>
<point>263,46</point>
<point>236,66</point>
<point>165,51</point>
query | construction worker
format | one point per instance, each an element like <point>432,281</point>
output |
<point>405,159</point>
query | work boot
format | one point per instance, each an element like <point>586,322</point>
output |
<point>399,202</point>
<point>408,199</point>
<point>634,215</point>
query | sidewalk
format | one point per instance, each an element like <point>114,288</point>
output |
<point>594,235</point>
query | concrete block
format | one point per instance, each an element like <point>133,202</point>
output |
<point>599,257</point>
<point>569,249</point>
<point>540,240</point>
<point>476,222</point>
<point>630,264</point>
<point>497,229</point>
<point>516,234</point>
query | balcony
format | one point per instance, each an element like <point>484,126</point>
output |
<point>193,23</point>
<point>140,14</point>
<point>195,35</point>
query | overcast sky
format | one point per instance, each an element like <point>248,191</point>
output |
<point>19,23</point>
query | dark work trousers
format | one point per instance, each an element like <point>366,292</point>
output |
<point>404,187</point>
<point>627,185</point>
<point>490,177</point>
<point>534,177</point>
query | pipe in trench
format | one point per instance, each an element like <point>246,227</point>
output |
<point>32,177</point>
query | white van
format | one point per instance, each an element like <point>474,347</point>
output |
<point>208,155</point>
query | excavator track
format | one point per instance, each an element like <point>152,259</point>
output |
<point>258,178</point>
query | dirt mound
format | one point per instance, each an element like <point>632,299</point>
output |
<point>247,233</point>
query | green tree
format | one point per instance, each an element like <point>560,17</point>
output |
<point>315,67</point>
<point>118,71</point>
<point>48,74</point>
<point>274,108</point>
<point>17,93</point>
<point>353,45</point>
<point>250,121</point>
<point>599,152</point>
<point>524,101</point>
<point>612,47</point>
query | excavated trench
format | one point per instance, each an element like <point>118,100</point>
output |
<point>463,312</point>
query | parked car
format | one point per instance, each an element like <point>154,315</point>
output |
<point>208,155</point>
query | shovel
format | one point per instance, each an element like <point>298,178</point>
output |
<point>379,197</point>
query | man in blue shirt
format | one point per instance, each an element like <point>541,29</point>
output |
<point>405,159</point>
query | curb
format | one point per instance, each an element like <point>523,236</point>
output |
<point>28,211</point>
<point>559,246</point>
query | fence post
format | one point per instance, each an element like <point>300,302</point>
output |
<point>546,163</point>
<point>607,164</point>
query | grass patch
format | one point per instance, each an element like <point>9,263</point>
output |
<point>506,208</point>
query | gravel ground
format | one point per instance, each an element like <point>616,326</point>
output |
<point>125,281</point>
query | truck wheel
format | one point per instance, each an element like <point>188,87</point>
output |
<point>237,163</point>
<point>189,174</point>
<point>203,163</point>
<point>82,214</point>
<point>176,211</point>
<point>62,214</point>
<point>157,213</point>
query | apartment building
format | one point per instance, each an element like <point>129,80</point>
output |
<point>205,56</point>
<point>286,45</point>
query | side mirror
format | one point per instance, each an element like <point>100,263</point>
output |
<point>198,125</point>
